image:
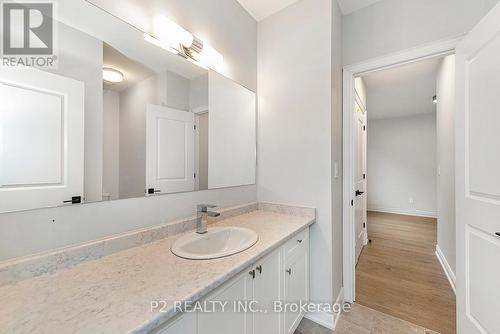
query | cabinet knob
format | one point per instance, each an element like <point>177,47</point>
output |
<point>289,271</point>
<point>259,269</point>
<point>252,273</point>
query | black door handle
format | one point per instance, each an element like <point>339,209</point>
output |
<point>74,200</point>
<point>359,193</point>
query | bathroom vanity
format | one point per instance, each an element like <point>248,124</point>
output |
<point>281,276</point>
<point>130,283</point>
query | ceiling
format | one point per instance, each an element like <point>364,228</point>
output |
<point>349,6</point>
<point>261,9</point>
<point>402,91</point>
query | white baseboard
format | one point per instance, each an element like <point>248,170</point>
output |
<point>328,320</point>
<point>405,212</point>
<point>447,269</point>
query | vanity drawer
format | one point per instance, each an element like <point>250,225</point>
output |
<point>296,244</point>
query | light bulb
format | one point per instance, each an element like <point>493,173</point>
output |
<point>209,57</point>
<point>171,33</point>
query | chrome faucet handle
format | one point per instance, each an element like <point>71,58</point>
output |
<point>204,207</point>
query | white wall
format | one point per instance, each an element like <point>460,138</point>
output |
<point>233,32</point>
<point>111,143</point>
<point>80,58</point>
<point>295,106</point>
<point>402,165</point>
<point>446,159</point>
<point>393,25</point>
<point>336,140</point>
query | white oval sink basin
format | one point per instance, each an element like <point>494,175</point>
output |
<point>217,242</point>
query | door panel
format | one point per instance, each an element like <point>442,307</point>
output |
<point>169,149</point>
<point>229,322</point>
<point>41,139</point>
<point>267,289</point>
<point>360,181</point>
<point>477,178</point>
<point>296,288</point>
<point>483,273</point>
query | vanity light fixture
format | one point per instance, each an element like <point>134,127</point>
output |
<point>435,99</point>
<point>111,75</point>
<point>172,37</point>
<point>158,43</point>
<point>171,34</point>
<point>209,57</point>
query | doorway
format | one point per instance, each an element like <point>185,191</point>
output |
<point>372,237</point>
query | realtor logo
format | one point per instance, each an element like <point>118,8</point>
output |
<point>28,34</point>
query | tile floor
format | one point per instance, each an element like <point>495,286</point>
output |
<point>363,320</point>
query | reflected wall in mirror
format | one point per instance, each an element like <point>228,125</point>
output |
<point>119,118</point>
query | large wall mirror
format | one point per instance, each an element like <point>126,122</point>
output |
<point>118,118</point>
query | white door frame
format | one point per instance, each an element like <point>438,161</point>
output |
<point>435,49</point>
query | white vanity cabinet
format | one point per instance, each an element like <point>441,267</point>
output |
<point>283,275</point>
<point>296,278</point>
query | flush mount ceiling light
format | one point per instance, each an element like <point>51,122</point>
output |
<point>172,37</point>
<point>111,75</point>
<point>435,99</point>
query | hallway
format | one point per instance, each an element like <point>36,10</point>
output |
<point>398,273</point>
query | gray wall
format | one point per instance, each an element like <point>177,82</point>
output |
<point>295,107</point>
<point>402,165</point>
<point>111,143</point>
<point>393,25</point>
<point>446,159</point>
<point>133,104</point>
<point>232,31</point>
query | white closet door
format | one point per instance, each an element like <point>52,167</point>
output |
<point>41,139</point>
<point>169,150</point>
<point>478,178</point>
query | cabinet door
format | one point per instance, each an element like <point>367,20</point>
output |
<point>236,292</point>
<point>296,286</point>
<point>183,324</point>
<point>267,289</point>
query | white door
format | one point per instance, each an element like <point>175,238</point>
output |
<point>169,150</point>
<point>232,320</point>
<point>41,139</point>
<point>296,287</point>
<point>267,289</point>
<point>360,179</point>
<point>478,178</point>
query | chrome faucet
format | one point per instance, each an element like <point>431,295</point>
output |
<point>201,217</point>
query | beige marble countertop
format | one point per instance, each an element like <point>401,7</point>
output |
<point>113,294</point>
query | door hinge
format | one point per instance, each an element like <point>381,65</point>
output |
<point>195,175</point>
<point>364,225</point>
<point>74,200</point>
<point>194,126</point>
<point>352,202</point>
<point>364,176</point>
<point>364,127</point>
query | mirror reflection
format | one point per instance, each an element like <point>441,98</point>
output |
<point>119,117</point>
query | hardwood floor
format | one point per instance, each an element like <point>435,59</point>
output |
<point>399,274</point>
